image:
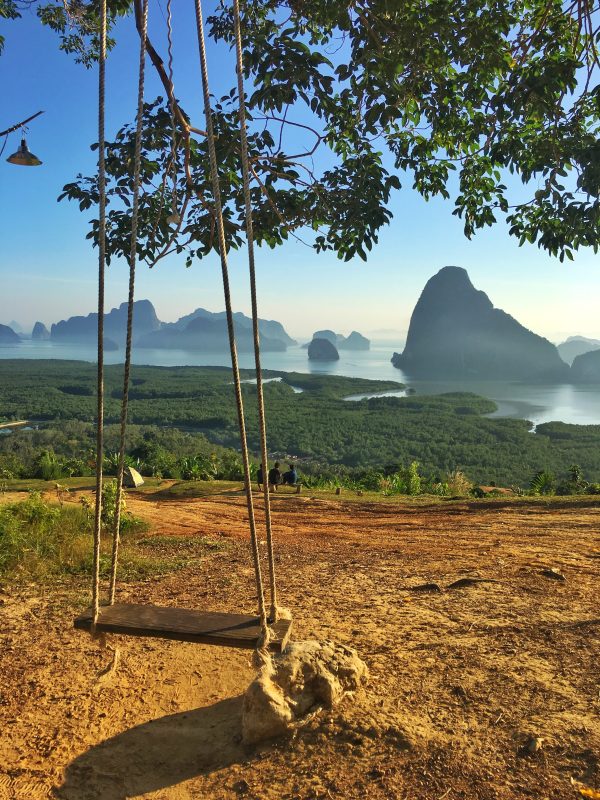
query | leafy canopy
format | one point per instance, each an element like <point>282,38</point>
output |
<point>449,96</point>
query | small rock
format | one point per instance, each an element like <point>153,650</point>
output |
<point>308,676</point>
<point>553,573</point>
<point>535,744</point>
<point>426,587</point>
<point>241,787</point>
<point>462,583</point>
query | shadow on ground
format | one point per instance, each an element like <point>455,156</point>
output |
<point>158,754</point>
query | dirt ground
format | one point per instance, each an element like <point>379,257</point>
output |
<point>485,691</point>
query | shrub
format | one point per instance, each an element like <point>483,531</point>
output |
<point>576,483</point>
<point>458,483</point>
<point>109,506</point>
<point>47,466</point>
<point>404,481</point>
<point>37,539</point>
<point>542,483</point>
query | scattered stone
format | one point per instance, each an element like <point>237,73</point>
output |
<point>535,744</point>
<point>460,691</point>
<point>426,587</point>
<point>553,573</point>
<point>295,685</point>
<point>463,583</point>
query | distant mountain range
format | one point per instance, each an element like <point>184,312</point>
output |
<point>200,330</point>
<point>456,333</point>
<point>576,346</point>
<point>356,341</point>
<point>205,330</point>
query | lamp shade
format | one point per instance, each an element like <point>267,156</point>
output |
<point>23,157</point>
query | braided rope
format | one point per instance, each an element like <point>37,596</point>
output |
<point>137,161</point>
<point>172,109</point>
<point>101,270</point>
<point>230,326</point>
<point>253,293</point>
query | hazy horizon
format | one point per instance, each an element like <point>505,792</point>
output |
<point>48,267</point>
<point>287,316</point>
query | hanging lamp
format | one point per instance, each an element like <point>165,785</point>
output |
<point>24,157</point>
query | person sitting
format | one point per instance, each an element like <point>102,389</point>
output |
<point>274,477</point>
<point>290,478</point>
<point>260,477</point>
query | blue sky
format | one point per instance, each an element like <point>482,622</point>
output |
<point>48,268</point>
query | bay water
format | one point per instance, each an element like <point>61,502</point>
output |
<point>536,402</point>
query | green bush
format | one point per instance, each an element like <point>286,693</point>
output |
<point>48,466</point>
<point>37,539</point>
<point>109,506</point>
<point>405,481</point>
<point>542,483</point>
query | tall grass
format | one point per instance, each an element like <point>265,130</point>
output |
<point>41,542</point>
<point>38,540</point>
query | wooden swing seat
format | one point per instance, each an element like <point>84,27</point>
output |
<point>185,625</point>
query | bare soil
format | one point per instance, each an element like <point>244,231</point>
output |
<point>486,691</point>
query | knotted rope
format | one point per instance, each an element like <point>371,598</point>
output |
<point>101,269</point>
<point>230,326</point>
<point>174,203</point>
<point>137,161</point>
<point>253,293</point>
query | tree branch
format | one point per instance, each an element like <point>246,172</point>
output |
<point>160,68</point>
<point>20,124</point>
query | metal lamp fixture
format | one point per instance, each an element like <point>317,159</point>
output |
<point>24,157</point>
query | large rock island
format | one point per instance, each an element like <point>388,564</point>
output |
<point>322,350</point>
<point>586,368</point>
<point>40,332</point>
<point>455,333</point>
<point>200,330</point>
<point>207,330</point>
<point>8,336</point>
<point>356,341</point>
<point>84,330</point>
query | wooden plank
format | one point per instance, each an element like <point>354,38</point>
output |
<point>185,625</point>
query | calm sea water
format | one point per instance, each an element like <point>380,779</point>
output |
<point>538,403</point>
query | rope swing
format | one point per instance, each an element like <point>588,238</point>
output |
<point>255,327</point>
<point>214,174</point>
<point>268,631</point>
<point>137,160</point>
<point>101,270</point>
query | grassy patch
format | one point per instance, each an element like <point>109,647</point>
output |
<point>147,556</point>
<point>179,544</point>
<point>43,542</point>
<point>72,484</point>
<point>38,541</point>
<point>191,489</point>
